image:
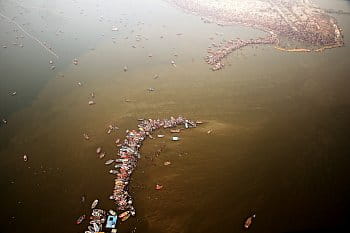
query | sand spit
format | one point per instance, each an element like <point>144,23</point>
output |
<point>295,20</point>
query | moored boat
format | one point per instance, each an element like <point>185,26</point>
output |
<point>80,219</point>
<point>249,221</point>
<point>94,204</point>
<point>110,161</point>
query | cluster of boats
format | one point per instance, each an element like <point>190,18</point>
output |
<point>98,218</point>
<point>128,155</point>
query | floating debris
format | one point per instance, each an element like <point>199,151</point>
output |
<point>156,76</point>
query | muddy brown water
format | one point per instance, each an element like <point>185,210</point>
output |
<point>280,122</point>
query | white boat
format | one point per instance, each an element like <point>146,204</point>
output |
<point>94,204</point>
<point>112,212</point>
<point>110,161</point>
<point>160,135</point>
<point>175,138</point>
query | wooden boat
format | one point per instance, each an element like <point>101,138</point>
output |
<point>110,161</point>
<point>94,204</point>
<point>98,150</point>
<point>249,221</point>
<point>80,219</point>
<point>126,217</point>
<point>122,215</point>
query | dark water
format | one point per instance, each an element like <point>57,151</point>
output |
<point>280,122</point>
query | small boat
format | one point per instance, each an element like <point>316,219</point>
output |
<point>86,136</point>
<point>125,68</point>
<point>91,102</point>
<point>98,150</point>
<point>82,199</point>
<point>175,138</point>
<point>199,122</point>
<point>126,217</point>
<point>25,158</point>
<point>113,171</point>
<point>249,221</point>
<point>167,163</point>
<point>151,89</point>
<point>13,93</point>
<point>160,135</point>
<point>159,187</point>
<point>94,204</point>
<point>80,219</point>
<point>122,215</point>
<point>92,95</point>
<point>110,161</point>
<point>209,131</point>
<point>102,155</point>
<point>4,120</point>
<point>75,61</point>
<point>175,130</point>
<point>117,141</point>
<point>96,227</point>
<point>111,221</point>
<point>112,212</point>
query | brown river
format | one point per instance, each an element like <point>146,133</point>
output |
<point>279,122</point>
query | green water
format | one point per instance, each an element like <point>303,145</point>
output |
<point>280,122</point>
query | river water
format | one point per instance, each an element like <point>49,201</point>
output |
<point>280,121</point>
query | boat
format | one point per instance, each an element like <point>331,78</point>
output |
<point>167,163</point>
<point>94,204</point>
<point>249,221</point>
<point>175,130</point>
<point>91,229</point>
<point>96,227</point>
<point>159,187</point>
<point>122,215</point>
<point>86,136</point>
<point>110,161</point>
<point>112,212</point>
<point>113,172</point>
<point>25,158</point>
<point>160,135</point>
<point>111,221</point>
<point>80,219</point>
<point>91,102</point>
<point>102,155</point>
<point>199,122</point>
<point>98,150</point>
<point>125,217</point>
<point>175,138</point>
